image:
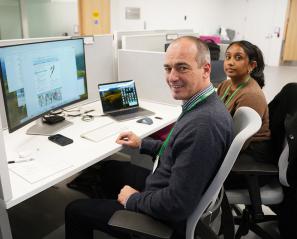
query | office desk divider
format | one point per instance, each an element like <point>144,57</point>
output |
<point>152,42</point>
<point>146,69</point>
<point>5,188</point>
<point>146,44</point>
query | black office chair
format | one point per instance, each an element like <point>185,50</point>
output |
<point>282,109</point>
<point>254,196</point>
<point>247,122</point>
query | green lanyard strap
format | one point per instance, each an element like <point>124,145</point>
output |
<point>187,109</point>
<point>240,86</point>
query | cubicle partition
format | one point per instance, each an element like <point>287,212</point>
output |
<point>152,42</point>
<point>5,188</point>
<point>99,62</point>
<point>146,69</point>
<point>118,35</point>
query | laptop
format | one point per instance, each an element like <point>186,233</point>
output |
<point>119,100</point>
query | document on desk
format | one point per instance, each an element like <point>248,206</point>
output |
<point>36,170</point>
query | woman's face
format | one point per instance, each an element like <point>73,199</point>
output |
<point>236,64</point>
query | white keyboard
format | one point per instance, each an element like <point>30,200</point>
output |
<point>103,132</point>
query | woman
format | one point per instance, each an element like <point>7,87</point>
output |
<point>244,67</point>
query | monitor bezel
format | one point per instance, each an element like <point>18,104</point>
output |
<point>12,129</point>
<point>116,82</point>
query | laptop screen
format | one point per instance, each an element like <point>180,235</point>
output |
<point>118,95</point>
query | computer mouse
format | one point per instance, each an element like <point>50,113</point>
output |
<point>145,120</point>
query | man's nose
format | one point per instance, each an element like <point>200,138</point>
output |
<point>173,76</point>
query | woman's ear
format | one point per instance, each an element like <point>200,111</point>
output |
<point>253,65</point>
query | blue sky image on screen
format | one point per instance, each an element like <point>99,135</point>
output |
<point>39,77</point>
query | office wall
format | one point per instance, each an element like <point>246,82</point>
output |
<point>52,18</point>
<point>257,21</point>
<point>261,22</point>
<point>10,22</point>
<point>167,14</point>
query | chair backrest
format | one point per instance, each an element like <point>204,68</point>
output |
<point>246,123</point>
<point>283,165</point>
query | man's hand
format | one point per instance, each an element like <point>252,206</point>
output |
<point>129,139</point>
<point>125,193</point>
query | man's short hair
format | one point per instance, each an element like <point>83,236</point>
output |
<point>203,54</point>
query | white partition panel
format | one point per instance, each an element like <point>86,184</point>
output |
<point>5,188</point>
<point>119,34</point>
<point>99,63</point>
<point>153,42</point>
<point>146,69</point>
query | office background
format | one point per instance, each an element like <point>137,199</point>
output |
<point>261,22</point>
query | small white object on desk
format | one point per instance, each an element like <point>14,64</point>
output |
<point>21,160</point>
<point>25,153</point>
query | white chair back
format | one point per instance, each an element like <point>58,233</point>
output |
<point>246,123</point>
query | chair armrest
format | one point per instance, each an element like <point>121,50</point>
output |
<point>139,224</point>
<point>255,168</point>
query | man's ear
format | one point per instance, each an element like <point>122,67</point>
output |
<point>206,70</point>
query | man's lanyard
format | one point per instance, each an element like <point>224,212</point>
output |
<point>240,86</point>
<point>187,109</point>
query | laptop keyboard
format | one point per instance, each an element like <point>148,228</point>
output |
<point>128,111</point>
<point>104,132</point>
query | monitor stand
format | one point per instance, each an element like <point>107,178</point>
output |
<point>41,128</point>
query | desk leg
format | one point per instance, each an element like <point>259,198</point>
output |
<point>5,231</point>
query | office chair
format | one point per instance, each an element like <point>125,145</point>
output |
<point>254,196</point>
<point>246,123</point>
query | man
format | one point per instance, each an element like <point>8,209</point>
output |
<point>185,163</point>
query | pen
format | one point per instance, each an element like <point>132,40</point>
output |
<point>20,161</point>
<point>88,111</point>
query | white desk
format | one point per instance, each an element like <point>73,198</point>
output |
<point>81,153</point>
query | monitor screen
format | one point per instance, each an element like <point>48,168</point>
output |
<point>118,95</point>
<point>39,77</point>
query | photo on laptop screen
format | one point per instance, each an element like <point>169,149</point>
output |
<point>119,100</point>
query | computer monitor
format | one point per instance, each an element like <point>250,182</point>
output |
<point>37,78</point>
